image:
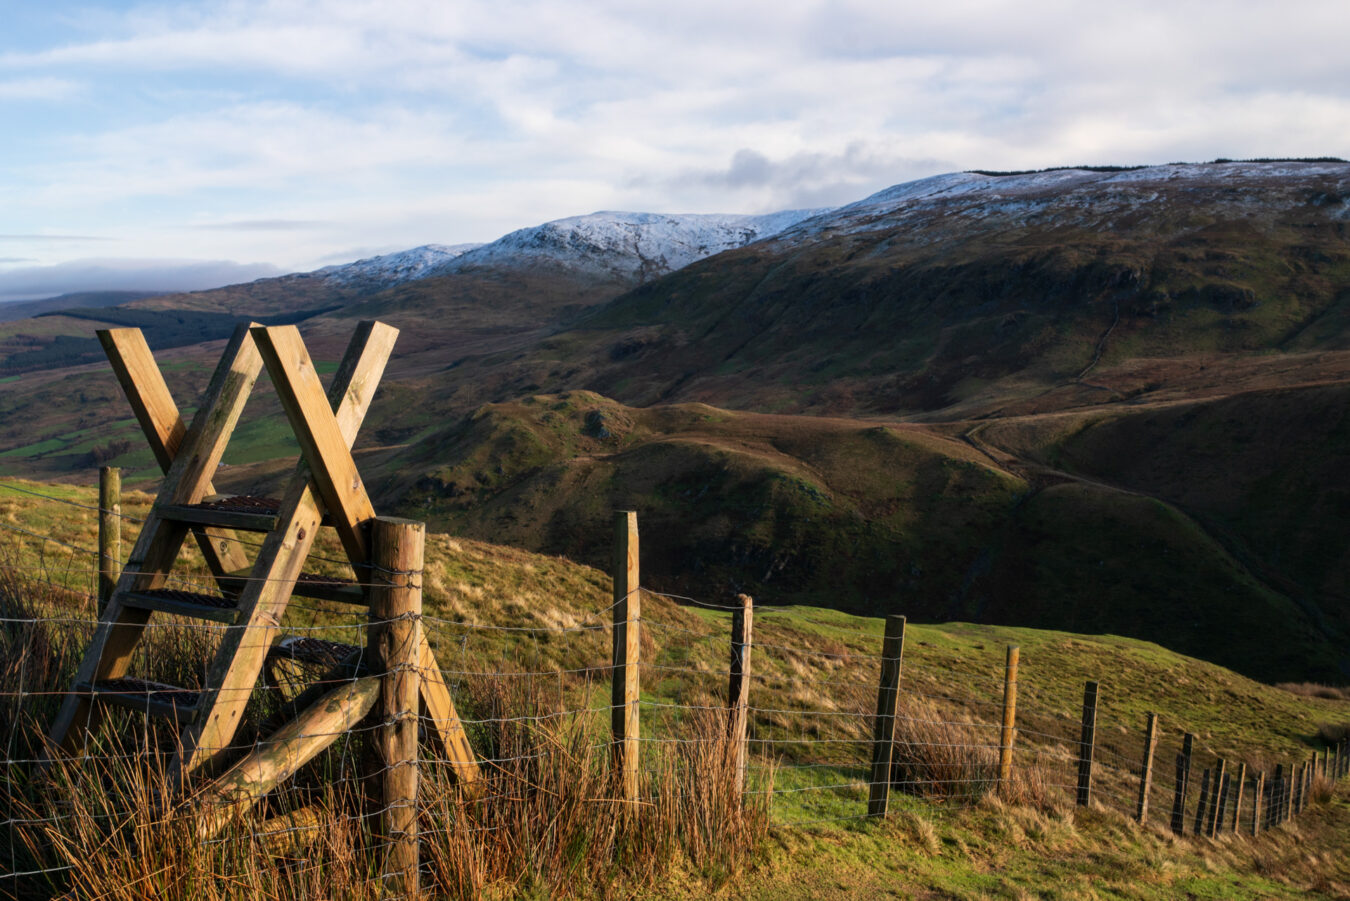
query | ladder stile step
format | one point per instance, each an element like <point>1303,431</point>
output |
<point>309,585</point>
<point>318,651</point>
<point>144,696</point>
<point>250,514</point>
<point>185,603</point>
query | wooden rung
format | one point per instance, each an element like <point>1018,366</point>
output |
<point>317,651</point>
<point>155,698</point>
<point>308,585</point>
<point>247,518</point>
<point>184,603</point>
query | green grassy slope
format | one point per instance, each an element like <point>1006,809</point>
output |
<point>802,664</point>
<point>855,516</point>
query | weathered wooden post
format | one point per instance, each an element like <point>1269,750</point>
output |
<point>627,649</point>
<point>888,709</point>
<point>1221,809</point>
<point>109,532</point>
<point>738,692</point>
<point>1009,731</point>
<point>1276,815</point>
<point>1216,801</point>
<point>1201,805</point>
<point>1086,743</point>
<point>1146,773</point>
<point>1183,784</point>
<point>396,612</point>
<point>1237,803</point>
<point>1300,778</point>
<point>1258,795</point>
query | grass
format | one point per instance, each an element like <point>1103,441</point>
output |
<point>813,693</point>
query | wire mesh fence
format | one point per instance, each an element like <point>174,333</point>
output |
<point>531,691</point>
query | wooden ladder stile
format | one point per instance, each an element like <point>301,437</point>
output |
<point>326,488</point>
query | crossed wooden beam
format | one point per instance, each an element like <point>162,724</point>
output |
<point>326,481</point>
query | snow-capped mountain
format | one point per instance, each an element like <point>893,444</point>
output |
<point>630,246</point>
<point>395,268</point>
<point>1100,198</point>
<point>641,245</point>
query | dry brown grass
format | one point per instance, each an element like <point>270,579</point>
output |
<point>547,822</point>
<point>1316,690</point>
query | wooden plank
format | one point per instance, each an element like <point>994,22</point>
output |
<point>888,711</point>
<point>626,686</point>
<point>109,532</point>
<point>109,653</point>
<point>1009,731</point>
<point>738,688</point>
<point>153,406</point>
<point>280,756</point>
<point>395,612</point>
<point>1086,743</point>
<point>331,468</point>
<point>225,519</point>
<point>239,659</point>
<point>1146,773</point>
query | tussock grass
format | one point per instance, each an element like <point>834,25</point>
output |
<point>1316,690</point>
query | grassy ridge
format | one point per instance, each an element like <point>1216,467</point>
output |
<point>802,664</point>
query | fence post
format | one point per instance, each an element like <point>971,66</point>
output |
<point>1220,815</point>
<point>1146,774</point>
<point>1257,792</point>
<point>1086,743</point>
<point>1277,789</point>
<point>109,532</point>
<point>396,610</point>
<point>1237,803</point>
<point>1216,800</point>
<point>888,708</point>
<point>627,648</point>
<point>1183,784</point>
<point>1007,736</point>
<point>1300,778</point>
<point>1202,805</point>
<point>738,691</point>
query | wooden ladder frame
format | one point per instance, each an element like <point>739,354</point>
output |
<point>326,482</point>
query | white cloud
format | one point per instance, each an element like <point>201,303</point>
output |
<point>399,122</point>
<point>44,88</point>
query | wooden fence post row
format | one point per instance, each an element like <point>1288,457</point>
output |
<point>1008,734</point>
<point>395,630</point>
<point>627,688</point>
<point>1086,743</point>
<point>738,691</point>
<point>888,704</point>
<point>109,532</point>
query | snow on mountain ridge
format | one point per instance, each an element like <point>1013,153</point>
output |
<point>1071,196</point>
<point>395,268</point>
<point>628,244</point>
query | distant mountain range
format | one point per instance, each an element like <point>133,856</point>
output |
<point>1102,400</point>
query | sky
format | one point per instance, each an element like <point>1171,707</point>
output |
<point>191,144</point>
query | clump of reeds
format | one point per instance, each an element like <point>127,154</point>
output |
<point>942,754</point>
